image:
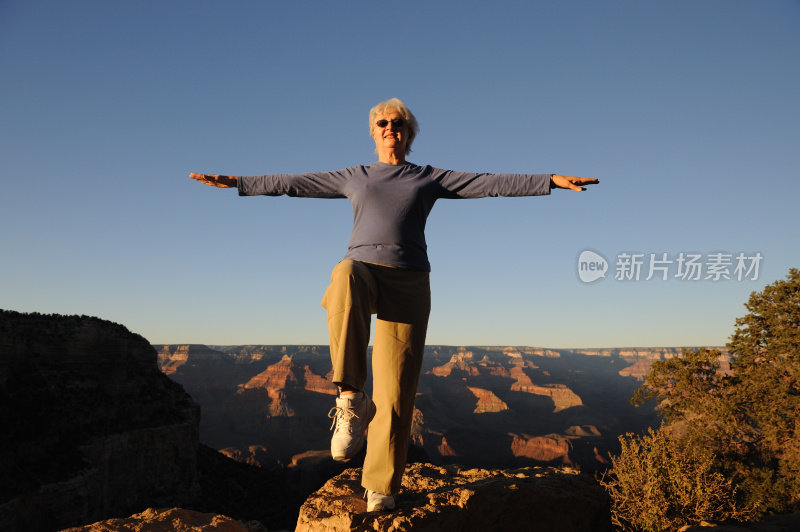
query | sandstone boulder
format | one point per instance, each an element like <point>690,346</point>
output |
<point>435,498</point>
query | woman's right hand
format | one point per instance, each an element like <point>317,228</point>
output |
<point>216,180</point>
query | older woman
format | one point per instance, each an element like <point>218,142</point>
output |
<point>384,272</point>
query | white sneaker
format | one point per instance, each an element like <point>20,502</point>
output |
<point>377,502</point>
<point>351,416</point>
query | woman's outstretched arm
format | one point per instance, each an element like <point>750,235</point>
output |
<point>216,180</point>
<point>309,185</point>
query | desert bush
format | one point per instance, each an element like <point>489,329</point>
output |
<point>659,482</point>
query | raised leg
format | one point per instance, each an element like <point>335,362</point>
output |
<point>350,301</point>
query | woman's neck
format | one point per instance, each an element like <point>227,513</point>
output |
<point>392,157</point>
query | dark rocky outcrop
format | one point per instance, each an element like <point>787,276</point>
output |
<point>247,493</point>
<point>90,426</point>
<point>436,498</point>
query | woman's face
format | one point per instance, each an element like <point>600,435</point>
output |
<point>392,133</point>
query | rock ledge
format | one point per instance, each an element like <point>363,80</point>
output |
<point>439,498</point>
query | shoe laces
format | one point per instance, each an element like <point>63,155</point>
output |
<point>342,417</point>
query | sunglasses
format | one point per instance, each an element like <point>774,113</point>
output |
<point>397,122</point>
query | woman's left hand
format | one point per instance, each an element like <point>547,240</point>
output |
<point>216,180</point>
<point>571,182</point>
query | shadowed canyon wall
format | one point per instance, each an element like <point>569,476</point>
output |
<point>91,427</point>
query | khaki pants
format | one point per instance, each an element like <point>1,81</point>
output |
<point>402,301</point>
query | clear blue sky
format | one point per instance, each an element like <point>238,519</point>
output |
<point>686,111</point>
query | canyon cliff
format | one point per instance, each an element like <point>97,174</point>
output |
<point>91,427</point>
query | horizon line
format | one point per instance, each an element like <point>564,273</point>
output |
<point>454,345</point>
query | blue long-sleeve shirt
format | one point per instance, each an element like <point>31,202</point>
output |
<point>391,203</point>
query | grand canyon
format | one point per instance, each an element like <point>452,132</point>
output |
<point>100,424</point>
<point>475,405</point>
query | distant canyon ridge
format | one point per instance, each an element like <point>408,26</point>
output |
<point>267,405</point>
